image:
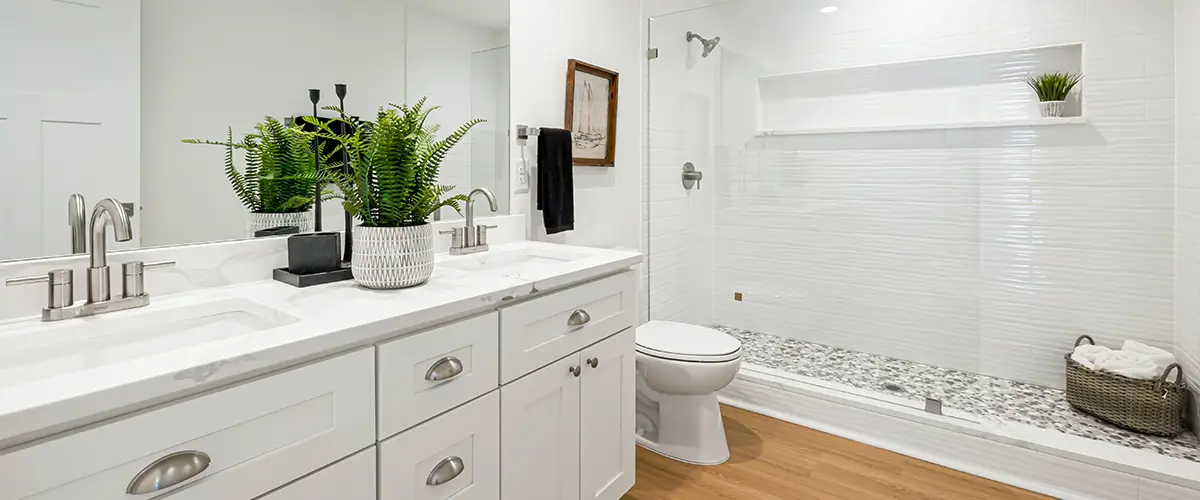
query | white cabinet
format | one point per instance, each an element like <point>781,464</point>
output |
<point>539,429</point>
<point>567,429</point>
<point>455,456</point>
<point>243,441</point>
<point>423,375</point>
<point>606,419</point>
<point>350,479</point>
<point>537,332</point>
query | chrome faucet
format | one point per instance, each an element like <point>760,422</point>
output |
<point>61,298</point>
<point>75,214</point>
<point>471,238</point>
<point>108,210</point>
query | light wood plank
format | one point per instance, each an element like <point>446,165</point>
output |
<point>775,460</point>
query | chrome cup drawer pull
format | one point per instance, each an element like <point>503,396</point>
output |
<point>445,369</point>
<point>579,318</point>
<point>446,470</point>
<point>168,471</point>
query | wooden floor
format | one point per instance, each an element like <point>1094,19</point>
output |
<point>774,460</point>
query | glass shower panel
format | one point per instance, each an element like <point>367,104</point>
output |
<point>836,226</point>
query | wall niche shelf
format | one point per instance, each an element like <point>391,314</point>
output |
<point>991,124</point>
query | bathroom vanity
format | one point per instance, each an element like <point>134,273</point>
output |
<point>509,375</point>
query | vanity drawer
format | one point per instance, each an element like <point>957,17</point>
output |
<point>350,479</point>
<point>535,333</point>
<point>257,436</point>
<point>466,440</point>
<point>428,373</point>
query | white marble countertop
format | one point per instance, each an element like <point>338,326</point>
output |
<point>331,318</point>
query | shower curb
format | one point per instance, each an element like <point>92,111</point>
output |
<point>1027,457</point>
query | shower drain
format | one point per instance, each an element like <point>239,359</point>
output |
<point>894,387</point>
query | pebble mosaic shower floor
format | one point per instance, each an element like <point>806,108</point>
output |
<point>977,394</point>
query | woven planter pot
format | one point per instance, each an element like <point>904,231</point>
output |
<point>1052,109</point>
<point>258,221</point>
<point>1146,406</point>
<point>392,257</point>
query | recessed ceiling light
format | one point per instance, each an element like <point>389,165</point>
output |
<point>828,10</point>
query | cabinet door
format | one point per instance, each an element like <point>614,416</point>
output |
<point>539,429</point>
<point>607,418</point>
<point>350,479</point>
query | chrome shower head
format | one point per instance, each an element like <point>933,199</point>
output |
<point>709,45</point>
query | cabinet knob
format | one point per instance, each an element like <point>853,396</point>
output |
<point>168,471</point>
<point>579,318</point>
<point>575,370</point>
<point>594,362</point>
<point>445,369</point>
<point>445,471</point>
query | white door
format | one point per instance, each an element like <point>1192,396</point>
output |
<point>539,434</point>
<point>606,417</point>
<point>349,479</point>
<point>70,114</point>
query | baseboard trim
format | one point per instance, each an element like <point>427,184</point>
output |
<point>1029,458</point>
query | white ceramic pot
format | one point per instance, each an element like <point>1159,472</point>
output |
<point>392,257</point>
<point>1052,109</point>
<point>259,221</point>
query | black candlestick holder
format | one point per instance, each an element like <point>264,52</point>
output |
<point>314,95</point>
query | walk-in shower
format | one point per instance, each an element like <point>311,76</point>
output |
<point>886,212</point>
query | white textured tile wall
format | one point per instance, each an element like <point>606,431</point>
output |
<point>988,251</point>
<point>1187,192</point>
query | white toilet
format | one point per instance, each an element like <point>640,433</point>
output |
<point>680,368</point>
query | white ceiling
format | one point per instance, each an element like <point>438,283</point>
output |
<point>488,13</point>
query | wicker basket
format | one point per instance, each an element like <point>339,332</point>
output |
<point>1146,406</point>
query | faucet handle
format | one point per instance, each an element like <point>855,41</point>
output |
<point>481,231</point>
<point>133,276</point>
<point>458,238</point>
<point>61,291</point>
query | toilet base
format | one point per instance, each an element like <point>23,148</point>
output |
<point>690,430</point>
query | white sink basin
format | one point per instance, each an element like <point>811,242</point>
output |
<point>33,350</point>
<point>511,260</point>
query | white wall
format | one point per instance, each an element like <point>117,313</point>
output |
<point>219,63</point>
<point>607,33</point>
<point>1187,190</point>
<point>984,251</point>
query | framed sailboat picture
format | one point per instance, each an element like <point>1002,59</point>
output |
<point>592,114</point>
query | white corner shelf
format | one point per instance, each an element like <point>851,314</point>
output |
<point>1023,122</point>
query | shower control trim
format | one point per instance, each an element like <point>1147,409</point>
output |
<point>691,176</point>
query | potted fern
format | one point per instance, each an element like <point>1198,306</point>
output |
<point>392,191</point>
<point>1052,90</point>
<point>276,185</point>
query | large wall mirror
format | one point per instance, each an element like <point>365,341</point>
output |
<point>96,97</point>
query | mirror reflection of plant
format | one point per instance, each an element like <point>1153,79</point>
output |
<point>1053,86</point>
<point>396,161</point>
<point>281,168</point>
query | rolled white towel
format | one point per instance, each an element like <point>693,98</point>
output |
<point>1083,361</point>
<point>1129,364</point>
<point>1160,357</point>
<point>1091,352</point>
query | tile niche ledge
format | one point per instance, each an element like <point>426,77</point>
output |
<point>1012,123</point>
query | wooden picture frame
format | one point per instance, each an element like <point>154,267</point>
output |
<point>591,115</point>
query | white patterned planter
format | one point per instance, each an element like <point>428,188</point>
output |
<point>1052,109</point>
<point>259,221</point>
<point>392,257</point>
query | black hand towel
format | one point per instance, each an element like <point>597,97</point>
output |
<point>556,189</point>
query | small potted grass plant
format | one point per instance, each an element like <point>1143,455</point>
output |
<point>277,183</point>
<point>392,191</point>
<point>1052,90</point>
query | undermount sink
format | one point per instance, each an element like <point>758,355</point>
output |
<point>35,350</point>
<point>511,259</point>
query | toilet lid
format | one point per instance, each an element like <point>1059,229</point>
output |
<point>684,342</point>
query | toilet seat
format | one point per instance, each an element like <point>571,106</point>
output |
<point>684,342</point>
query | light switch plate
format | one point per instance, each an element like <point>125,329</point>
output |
<point>520,175</point>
